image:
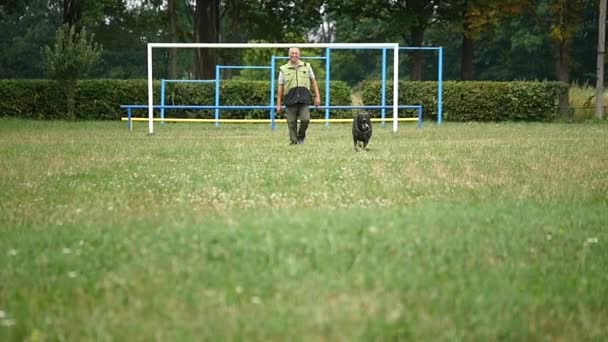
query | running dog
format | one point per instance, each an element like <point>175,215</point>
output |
<point>362,130</point>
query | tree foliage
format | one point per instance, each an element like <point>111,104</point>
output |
<point>401,21</point>
<point>71,58</point>
<point>499,40</point>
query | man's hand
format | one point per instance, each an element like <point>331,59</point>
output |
<point>317,101</point>
<point>279,108</point>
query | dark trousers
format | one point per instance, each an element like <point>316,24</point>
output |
<point>294,113</point>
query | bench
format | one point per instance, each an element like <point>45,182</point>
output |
<point>217,120</point>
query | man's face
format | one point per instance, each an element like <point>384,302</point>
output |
<point>294,55</point>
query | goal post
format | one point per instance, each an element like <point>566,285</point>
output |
<point>393,46</point>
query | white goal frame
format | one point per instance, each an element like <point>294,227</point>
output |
<point>394,46</point>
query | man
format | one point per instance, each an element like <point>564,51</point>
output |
<point>295,81</point>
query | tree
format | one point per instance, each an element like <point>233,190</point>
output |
<point>172,15</point>
<point>601,44</point>
<point>72,11</point>
<point>391,18</point>
<point>269,20</point>
<point>563,18</point>
<point>418,21</point>
<point>72,57</point>
<point>473,17</point>
<point>206,30</point>
<point>124,29</point>
<point>25,26</point>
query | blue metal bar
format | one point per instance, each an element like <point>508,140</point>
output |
<point>440,87</point>
<point>243,67</point>
<point>271,100</point>
<point>272,86</point>
<point>217,95</point>
<point>439,76</point>
<point>383,97</point>
<point>327,85</point>
<point>420,117</point>
<point>189,81</point>
<point>262,107</point>
<point>420,48</point>
<point>162,100</point>
<point>368,107</point>
<point>303,57</point>
<point>359,48</point>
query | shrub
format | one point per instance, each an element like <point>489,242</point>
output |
<point>478,101</point>
<point>101,99</point>
<point>72,56</point>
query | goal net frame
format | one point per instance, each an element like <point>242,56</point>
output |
<point>394,46</point>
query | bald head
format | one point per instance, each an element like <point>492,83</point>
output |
<point>294,55</point>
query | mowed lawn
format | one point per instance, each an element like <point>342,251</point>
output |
<point>477,231</point>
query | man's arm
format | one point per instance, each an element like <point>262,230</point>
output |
<point>315,87</point>
<point>279,98</point>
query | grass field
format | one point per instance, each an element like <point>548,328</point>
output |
<point>460,232</point>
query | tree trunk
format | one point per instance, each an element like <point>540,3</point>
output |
<point>468,45</point>
<point>417,34</point>
<point>172,73</point>
<point>207,30</point>
<point>466,66</point>
<point>69,89</point>
<point>71,12</point>
<point>235,21</point>
<point>562,63</point>
<point>601,48</point>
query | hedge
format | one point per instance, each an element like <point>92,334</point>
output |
<point>101,99</point>
<point>476,101</point>
<point>462,101</point>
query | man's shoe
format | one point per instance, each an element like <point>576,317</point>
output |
<point>300,142</point>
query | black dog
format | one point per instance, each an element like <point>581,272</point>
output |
<point>362,130</point>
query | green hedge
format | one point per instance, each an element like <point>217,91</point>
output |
<point>101,99</point>
<point>462,101</point>
<point>476,101</point>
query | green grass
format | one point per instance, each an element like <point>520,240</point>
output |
<point>459,232</point>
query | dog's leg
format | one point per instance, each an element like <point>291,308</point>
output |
<point>355,144</point>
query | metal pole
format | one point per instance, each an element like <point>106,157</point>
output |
<point>162,100</point>
<point>440,87</point>
<point>327,85</point>
<point>383,91</point>
<point>217,95</point>
<point>272,109</point>
<point>150,93</point>
<point>395,88</point>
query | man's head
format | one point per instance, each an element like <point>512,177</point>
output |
<point>294,55</point>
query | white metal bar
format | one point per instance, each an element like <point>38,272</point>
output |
<point>272,45</point>
<point>150,94</point>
